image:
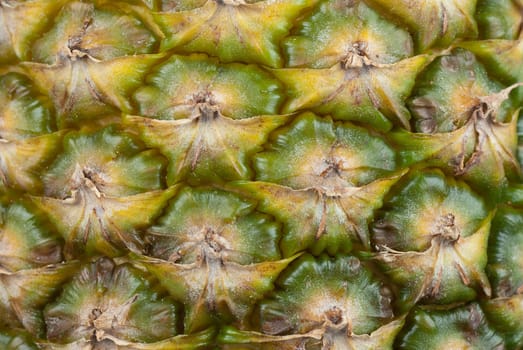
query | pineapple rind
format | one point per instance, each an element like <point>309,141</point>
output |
<point>505,263</point>
<point>413,211</point>
<point>325,284</point>
<point>104,298</point>
<point>22,160</point>
<point>108,225</point>
<point>463,327</point>
<point>503,57</point>
<point>320,219</point>
<point>27,240</point>
<point>200,216</point>
<point>23,114</point>
<point>94,30</point>
<point>505,315</point>
<point>369,95</point>
<point>25,293</point>
<point>500,19</point>
<point>176,85</point>
<point>436,23</point>
<point>213,288</point>
<point>208,146</point>
<point>381,339</point>
<point>79,87</point>
<point>433,248</point>
<point>93,85</point>
<point>482,152</point>
<point>448,90</point>
<point>338,30</point>
<point>117,162</point>
<point>17,340</point>
<point>21,22</point>
<point>233,32</point>
<point>196,341</point>
<point>317,152</point>
<point>338,305</point>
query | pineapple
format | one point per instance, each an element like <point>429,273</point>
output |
<point>261,174</point>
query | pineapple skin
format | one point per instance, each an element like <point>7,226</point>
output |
<point>261,174</point>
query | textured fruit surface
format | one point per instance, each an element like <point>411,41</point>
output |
<point>261,174</point>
